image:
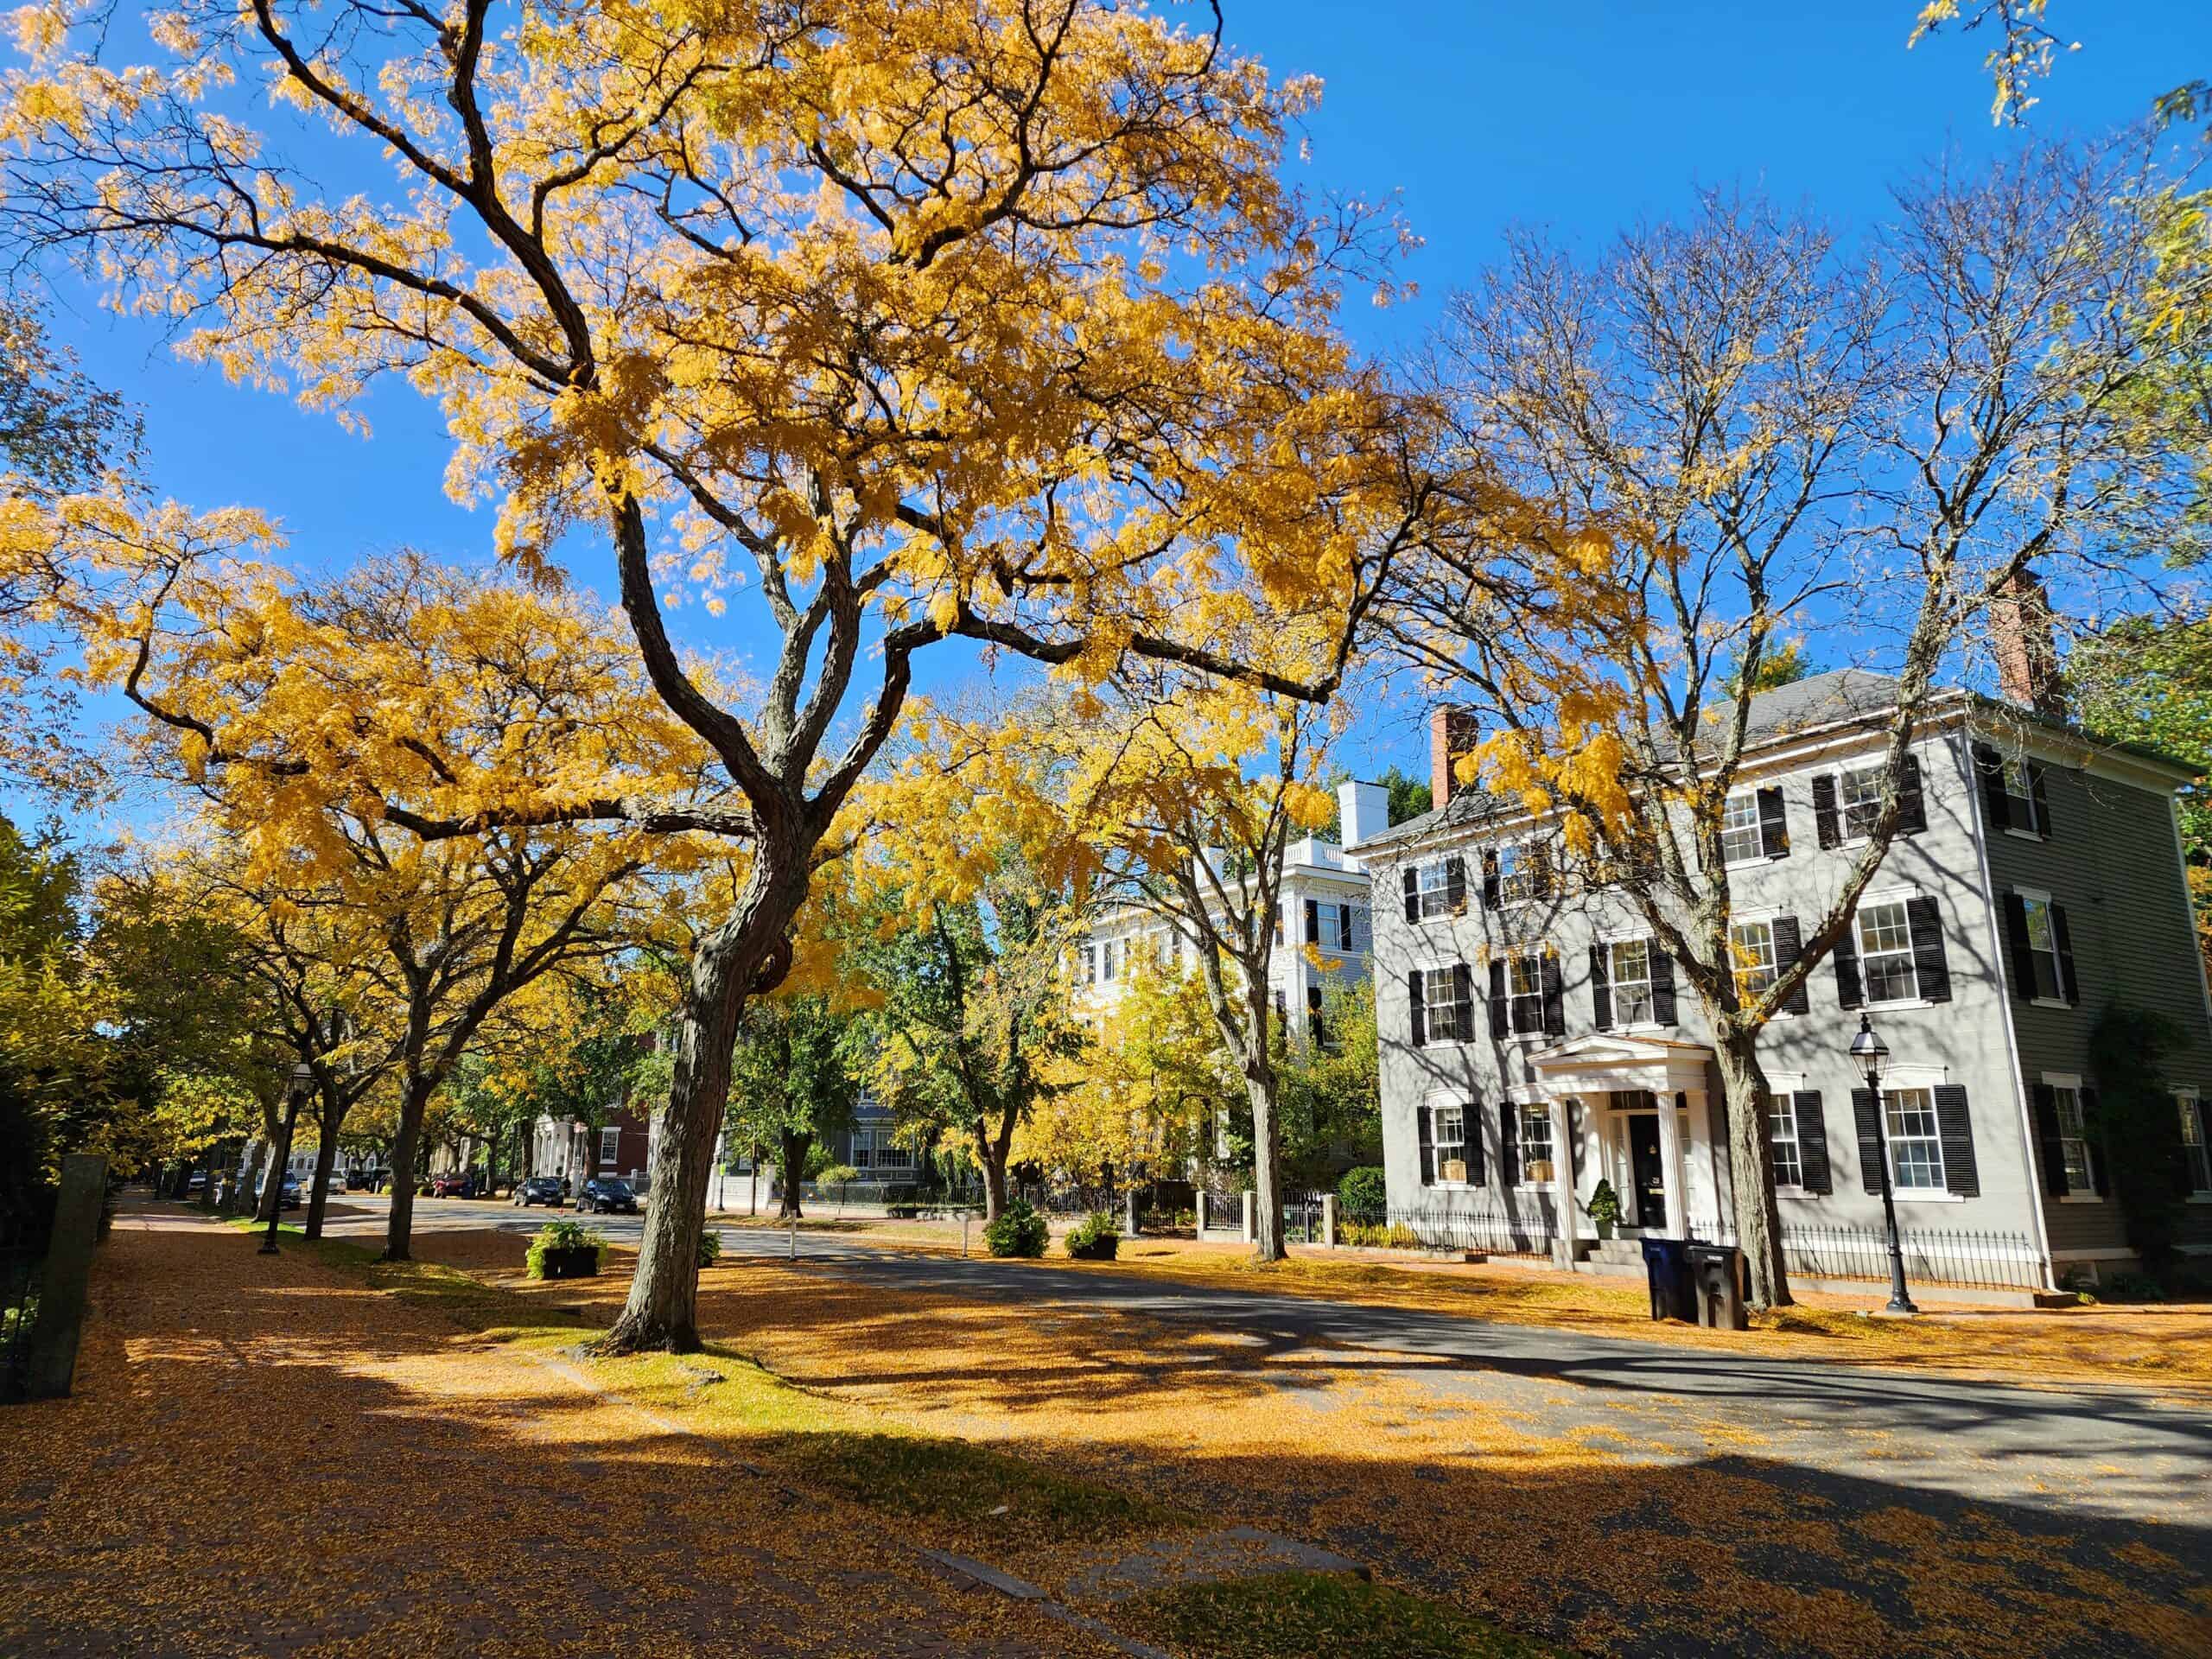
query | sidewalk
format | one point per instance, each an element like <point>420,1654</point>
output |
<point>265,1457</point>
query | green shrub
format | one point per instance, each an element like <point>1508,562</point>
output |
<point>1020,1230</point>
<point>1095,1238</point>
<point>565,1235</point>
<point>1377,1235</point>
<point>1362,1192</point>
<point>836,1175</point>
<point>710,1247</point>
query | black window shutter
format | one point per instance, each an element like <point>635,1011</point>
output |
<point>1870,1145</point>
<point>2049,1146</point>
<point>1601,989</point>
<point>1455,884</point>
<point>1555,1000</point>
<point>1812,1141</point>
<point>1912,801</point>
<point>1930,966</point>
<point>1789,945</point>
<point>1824,822</point>
<point>2068,987</point>
<point>1774,823</point>
<point>1424,1117</point>
<point>1346,939</point>
<point>1849,993</point>
<point>1956,1126</point>
<point>1413,1000</point>
<point>1463,1002</point>
<point>1471,1130</point>
<point>2090,1129</point>
<point>1490,888</point>
<point>1995,801</point>
<point>2024,954</point>
<point>2042,797</point>
<point>1663,984</point>
<point>1509,1144</point>
<point>1312,921</point>
<point>1412,893</point>
<point>1501,1013</point>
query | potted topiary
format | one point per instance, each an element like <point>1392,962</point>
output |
<point>565,1249</point>
<point>1095,1238</point>
<point>1605,1207</point>
<point>1020,1230</point>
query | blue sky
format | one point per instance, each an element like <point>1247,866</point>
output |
<point>1584,118</point>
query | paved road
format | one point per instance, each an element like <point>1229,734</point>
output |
<point>2109,1451</point>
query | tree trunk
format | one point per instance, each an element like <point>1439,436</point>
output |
<point>1750,1168</point>
<point>398,1233</point>
<point>325,1158</point>
<point>994,1151</point>
<point>662,1310</point>
<point>791,1169</point>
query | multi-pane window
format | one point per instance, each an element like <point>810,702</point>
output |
<point>1451,1133</point>
<point>1435,889</point>
<point>2192,1144</point>
<point>2019,793</point>
<point>1781,1117</point>
<point>2074,1139</point>
<point>1631,982</point>
<point>1740,835</point>
<point>1444,1017</point>
<point>1535,1143</point>
<point>1516,876</point>
<point>1109,960</point>
<point>1859,799</point>
<point>1524,984</point>
<point>610,1145</point>
<point>2043,945</point>
<point>1916,1143</point>
<point>1751,945</point>
<point>1885,952</point>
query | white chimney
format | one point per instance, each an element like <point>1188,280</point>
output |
<point>1363,811</point>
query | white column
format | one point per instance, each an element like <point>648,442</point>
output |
<point>1563,1181</point>
<point>1670,1168</point>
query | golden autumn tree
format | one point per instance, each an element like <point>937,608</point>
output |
<point>359,744</point>
<point>889,321</point>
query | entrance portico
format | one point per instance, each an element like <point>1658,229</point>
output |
<point>1642,1098</point>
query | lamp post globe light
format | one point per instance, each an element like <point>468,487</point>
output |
<point>1868,1052</point>
<point>296,1094</point>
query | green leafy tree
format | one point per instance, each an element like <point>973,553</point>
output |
<point>1332,1100</point>
<point>795,1077</point>
<point>2138,1129</point>
<point>1410,797</point>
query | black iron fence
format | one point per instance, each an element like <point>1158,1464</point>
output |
<point>1932,1257</point>
<point>1488,1230</point>
<point>1302,1218</point>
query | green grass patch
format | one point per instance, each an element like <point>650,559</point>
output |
<point>1296,1615</point>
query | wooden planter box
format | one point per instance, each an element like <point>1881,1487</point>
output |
<point>578,1262</point>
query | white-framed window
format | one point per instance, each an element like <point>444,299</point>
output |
<point>1631,962</point>
<point>1886,961</point>
<point>1516,873</point>
<point>1916,1140</point>
<point>1524,988</point>
<point>1741,838</point>
<point>1445,1019</point>
<point>2019,793</point>
<point>1450,1131</point>
<point>1859,801</point>
<point>1433,885</point>
<point>2193,1150</point>
<point>2073,1138</point>
<point>889,1154</point>
<point>1537,1166</point>
<point>610,1145</point>
<point>1752,944</point>
<point>1782,1118</point>
<point>2043,945</point>
<point>1088,963</point>
<point>1344,932</point>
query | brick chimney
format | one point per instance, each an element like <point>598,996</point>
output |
<point>2025,644</point>
<point>1452,732</point>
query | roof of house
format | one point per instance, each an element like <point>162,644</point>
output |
<point>1839,697</point>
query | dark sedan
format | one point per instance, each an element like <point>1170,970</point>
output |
<point>608,1197</point>
<point>538,1189</point>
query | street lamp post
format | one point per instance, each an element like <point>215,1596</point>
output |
<point>1868,1051</point>
<point>296,1094</point>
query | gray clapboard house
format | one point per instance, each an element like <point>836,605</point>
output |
<point>1533,1040</point>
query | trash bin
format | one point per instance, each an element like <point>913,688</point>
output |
<point>1718,1272</point>
<point>1667,1269</point>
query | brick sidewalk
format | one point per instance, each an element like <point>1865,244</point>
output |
<point>264,1457</point>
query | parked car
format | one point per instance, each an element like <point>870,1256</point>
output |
<point>606,1196</point>
<point>365,1180</point>
<point>454,1183</point>
<point>290,1196</point>
<point>538,1189</point>
<point>196,1181</point>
